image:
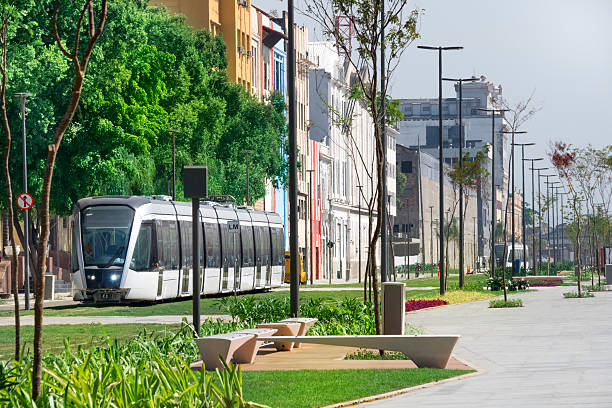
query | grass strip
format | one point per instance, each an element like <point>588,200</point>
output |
<point>316,388</point>
<point>500,303</point>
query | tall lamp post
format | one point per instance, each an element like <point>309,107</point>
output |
<point>540,175</point>
<point>493,189</point>
<point>556,195</point>
<point>549,203</point>
<point>561,238</point>
<point>475,255</point>
<point>384,239</point>
<point>173,132</point>
<point>533,248</point>
<point>26,216</point>
<point>431,237</point>
<point>441,157</point>
<point>309,222</point>
<point>523,201</point>
<point>513,132</point>
<point>359,236</point>
<point>248,192</point>
<point>460,81</point>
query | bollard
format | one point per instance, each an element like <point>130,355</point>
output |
<point>609,274</point>
<point>393,307</point>
<point>49,287</point>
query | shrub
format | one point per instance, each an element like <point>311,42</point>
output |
<point>461,296</point>
<point>500,303</point>
<point>585,294</point>
<point>362,354</point>
<point>417,304</point>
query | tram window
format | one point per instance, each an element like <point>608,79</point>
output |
<point>227,244</point>
<point>278,246</point>
<point>213,246</point>
<point>186,244</point>
<point>263,244</point>
<point>168,244</point>
<point>74,260</point>
<point>142,259</point>
<point>246,236</point>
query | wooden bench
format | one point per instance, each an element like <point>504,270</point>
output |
<point>247,352</point>
<point>424,350</point>
<point>283,329</point>
<point>219,347</point>
<point>305,325</point>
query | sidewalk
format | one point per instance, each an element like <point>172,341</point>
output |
<point>554,352</point>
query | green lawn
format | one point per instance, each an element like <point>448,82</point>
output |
<point>316,388</point>
<point>86,335</point>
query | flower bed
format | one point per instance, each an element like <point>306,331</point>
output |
<point>416,304</point>
<point>544,284</point>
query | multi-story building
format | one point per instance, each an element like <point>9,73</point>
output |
<point>420,128</point>
<point>345,131</point>
<point>229,19</point>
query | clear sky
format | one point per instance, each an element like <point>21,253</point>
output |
<point>559,49</point>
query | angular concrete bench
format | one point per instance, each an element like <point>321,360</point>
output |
<point>283,329</point>
<point>424,350</point>
<point>221,346</point>
<point>246,353</point>
<point>305,325</point>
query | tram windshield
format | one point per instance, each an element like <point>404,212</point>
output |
<point>106,231</point>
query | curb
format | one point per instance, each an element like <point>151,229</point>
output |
<point>403,391</point>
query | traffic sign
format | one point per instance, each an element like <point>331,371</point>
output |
<point>25,201</point>
<point>233,226</point>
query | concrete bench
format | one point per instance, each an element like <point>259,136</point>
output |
<point>221,347</point>
<point>305,325</point>
<point>424,350</point>
<point>283,329</point>
<point>247,352</point>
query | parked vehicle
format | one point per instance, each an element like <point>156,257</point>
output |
<point>140,248</point>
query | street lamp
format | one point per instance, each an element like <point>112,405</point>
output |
<point>556,231</point>
<point>173,132</point>
<point>523,201</point>
<point>532,208</point>
<point>493,189</point>
<point>441,157</point>
<point>549,185</point>
<point>26,216</point>
<point>359,221</point>
<point>562,238</point>
<point>513,132</point>
<point>461,143</point>
<point>248,192</point>
<point>540,212</point>
<point>431,237</point>
<point>475,256</point>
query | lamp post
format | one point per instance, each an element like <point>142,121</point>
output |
<point>359,235</point>
<point>533,209</point>
<point>548,202</point>
<point>560,240</point>
<point>173,132</point>
<point>540,213</point>
<point>309,222</point>
<point>556,194</point>
<point>441,157</point>
<point>384,250</point>
<point>431,237</point>
<point>553,203</point>
<point>523,201</point>
<point>475,255</point>
<point>248,192</point>
<point>461,143</point>
<point>493,189</point>
<point>26,216</point>
<point>513,132</point>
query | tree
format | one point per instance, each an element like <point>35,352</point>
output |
<point>79,54</point>
<point>400,26</point>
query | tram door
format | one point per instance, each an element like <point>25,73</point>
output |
<point>229,259</point>
<point>186,257</point>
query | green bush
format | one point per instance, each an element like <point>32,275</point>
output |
<point>151,371</point>
<point>500,303</point>
<point>584,294</point>
<point>375,355</point>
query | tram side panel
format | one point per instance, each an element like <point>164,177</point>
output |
<point>212,242</point>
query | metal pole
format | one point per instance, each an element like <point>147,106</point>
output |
<point>441,175</point>
<point>173,133</point>
<point>195,216</point>
<point>293,216</point>
<point>461,227</point>
<point>359,238</point>
<point>248,191</point>
<point>513,238</point>
<point>383,122</point>
<point>26,216</point>
<point>310,262</point>
<point>475,255</point>
<point>523,208</point>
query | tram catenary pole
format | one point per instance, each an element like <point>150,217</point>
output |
<point>533,249</point>
<point>524,260</point>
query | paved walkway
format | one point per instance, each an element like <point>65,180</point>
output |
<point>554,352</point>
<point>342,289</point>
<point>52,320</point>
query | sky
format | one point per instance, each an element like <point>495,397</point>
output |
<point>559,50</point>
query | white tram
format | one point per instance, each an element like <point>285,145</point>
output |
<point>140,248</point>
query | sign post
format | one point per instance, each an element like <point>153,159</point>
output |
<point>25,202</point>
<point>195,185</point>
<point>233,227</point>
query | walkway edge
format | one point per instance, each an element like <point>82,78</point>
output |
<point>395,393</point>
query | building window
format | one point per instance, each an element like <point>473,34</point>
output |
<point>425,109</point>
<point>407,166</point>
<point>396,228</point>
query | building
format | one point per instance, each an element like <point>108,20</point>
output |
<point>415,228</point>
<point>229,19</point>
<point>420,129</point>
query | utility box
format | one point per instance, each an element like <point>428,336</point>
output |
<point>393,307</point>
<point>195,181</point>
<point>608,274</point>
<point>49,287</point>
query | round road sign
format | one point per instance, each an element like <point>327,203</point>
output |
<point>25,201</point>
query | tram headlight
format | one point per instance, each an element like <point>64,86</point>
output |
<point>92,277</point>
<point>114,277</point>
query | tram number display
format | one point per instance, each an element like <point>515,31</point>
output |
<point>233,226</point>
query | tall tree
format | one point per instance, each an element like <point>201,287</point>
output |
<point>401,28</point>
<point>79,55</point>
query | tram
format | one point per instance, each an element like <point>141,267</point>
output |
<point>518,254</point>
<point>140,249</point>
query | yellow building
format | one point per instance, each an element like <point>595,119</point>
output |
<point>231,19</point>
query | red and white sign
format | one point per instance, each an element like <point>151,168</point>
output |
<point>25,201</point>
